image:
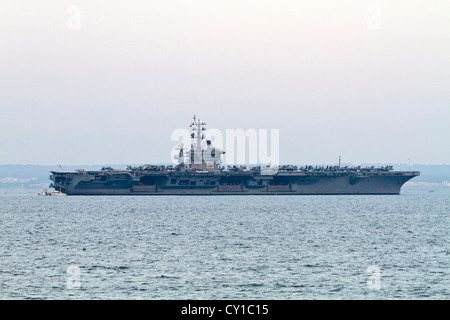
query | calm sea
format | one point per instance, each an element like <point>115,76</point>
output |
<point>225,247</point>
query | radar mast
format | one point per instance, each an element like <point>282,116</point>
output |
<point>200,158</point>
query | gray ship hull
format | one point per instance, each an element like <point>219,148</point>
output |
<point>240,183</point>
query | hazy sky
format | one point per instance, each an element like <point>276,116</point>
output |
<point>107,81</point>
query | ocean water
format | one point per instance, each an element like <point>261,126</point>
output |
<point>225,247</point>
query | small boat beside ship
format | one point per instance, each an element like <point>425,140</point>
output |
<point>52,193</point>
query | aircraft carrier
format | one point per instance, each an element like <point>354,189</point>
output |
<point>199,172</point>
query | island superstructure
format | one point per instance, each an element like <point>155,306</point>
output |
<point>199,172</point>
